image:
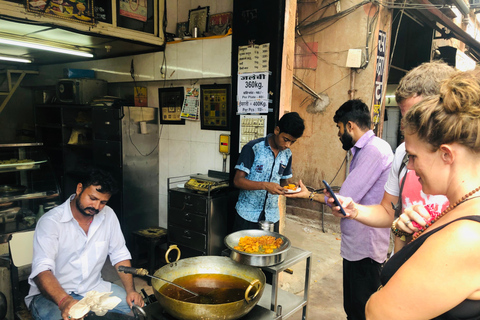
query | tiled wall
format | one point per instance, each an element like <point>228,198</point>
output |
<point>184,150</point>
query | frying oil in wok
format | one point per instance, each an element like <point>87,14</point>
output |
<point>211,289</point>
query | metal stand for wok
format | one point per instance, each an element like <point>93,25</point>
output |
<point>275,304</point>
<point>154,312</point>
<point>289,302</point>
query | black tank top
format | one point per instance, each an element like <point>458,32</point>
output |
<point>467,310</point>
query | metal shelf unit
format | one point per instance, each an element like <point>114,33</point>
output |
<point>282,302</point>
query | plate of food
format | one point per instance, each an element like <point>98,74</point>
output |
<point>292,188</point>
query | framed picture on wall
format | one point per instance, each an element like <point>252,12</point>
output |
<point>81,11</point>
<point>170,105</point>
<point>182,27</point>
<point>215,106</point>
<point>218,24</point>
<point>198,18</point>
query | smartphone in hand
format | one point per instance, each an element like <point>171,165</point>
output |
<point>337,203</point>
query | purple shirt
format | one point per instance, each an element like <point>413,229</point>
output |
<point>369,169</point>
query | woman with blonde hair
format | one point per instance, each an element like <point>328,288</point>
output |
<point>437,274</point>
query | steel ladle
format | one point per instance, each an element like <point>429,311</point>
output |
<point>143,272</point>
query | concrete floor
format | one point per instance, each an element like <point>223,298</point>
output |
<point>325,301</point>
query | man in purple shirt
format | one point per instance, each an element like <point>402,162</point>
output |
<point>363,248</point>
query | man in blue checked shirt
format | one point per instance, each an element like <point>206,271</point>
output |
<point>262,169</point>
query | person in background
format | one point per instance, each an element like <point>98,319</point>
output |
<point>71,244</point>
<point>364,249</point>
<point>402,189</point>
<point>262,169</point>
<point>435,276</point>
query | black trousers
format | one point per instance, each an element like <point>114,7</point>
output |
<point>360,280</point>
<point>242,224</point>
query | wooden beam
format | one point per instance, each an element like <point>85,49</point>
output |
<point>12,90</point>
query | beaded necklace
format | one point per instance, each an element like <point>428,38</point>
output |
<point>447,210</point>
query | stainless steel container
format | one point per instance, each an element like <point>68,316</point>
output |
<point>266,225</point>
<point>252,259</point>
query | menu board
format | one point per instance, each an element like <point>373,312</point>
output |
<point>254,58</point>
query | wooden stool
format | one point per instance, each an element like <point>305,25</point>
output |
<point>147,241</point>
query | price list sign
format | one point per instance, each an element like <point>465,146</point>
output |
<point>252,92</point>
<point>254,58</point>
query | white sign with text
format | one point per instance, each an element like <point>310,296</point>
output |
<point>252,92</point>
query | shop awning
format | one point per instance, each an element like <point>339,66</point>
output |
<point>432,15</point>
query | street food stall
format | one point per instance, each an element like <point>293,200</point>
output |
<point>260,300</point>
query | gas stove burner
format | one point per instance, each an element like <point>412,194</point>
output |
<point>155,312</point>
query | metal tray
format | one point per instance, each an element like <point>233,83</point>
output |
<point>20,165</point>
<point>253,259</point>
<point>10,190</point>
<point>9,215</point>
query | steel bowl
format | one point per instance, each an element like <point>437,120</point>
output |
<point>255,259</point>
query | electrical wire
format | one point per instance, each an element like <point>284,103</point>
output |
<point>318,57</point>
<point>311,189</point>
<point>131,140</point>
<point>387,4</point>
<point>132,74</point>
<point>337,16</point>
<point>321,8</point>
<point>396,37</point>
<point>323,91</point>
<point>369,36</point>
<point>163,69</point>
<point>305,100</point>
<point>336,174</point>
<point>416,6</point>
<point>341,15</point>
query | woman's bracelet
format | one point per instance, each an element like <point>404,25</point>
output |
<point>312,195</point>
<point>397,232</point>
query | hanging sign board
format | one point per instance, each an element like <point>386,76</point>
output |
<point>379,72</point>
<point>252,92</point>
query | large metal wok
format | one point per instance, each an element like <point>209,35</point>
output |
<point>209,265</point>
<point>253,259</point>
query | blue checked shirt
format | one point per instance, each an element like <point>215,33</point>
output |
<point>258,161</point>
